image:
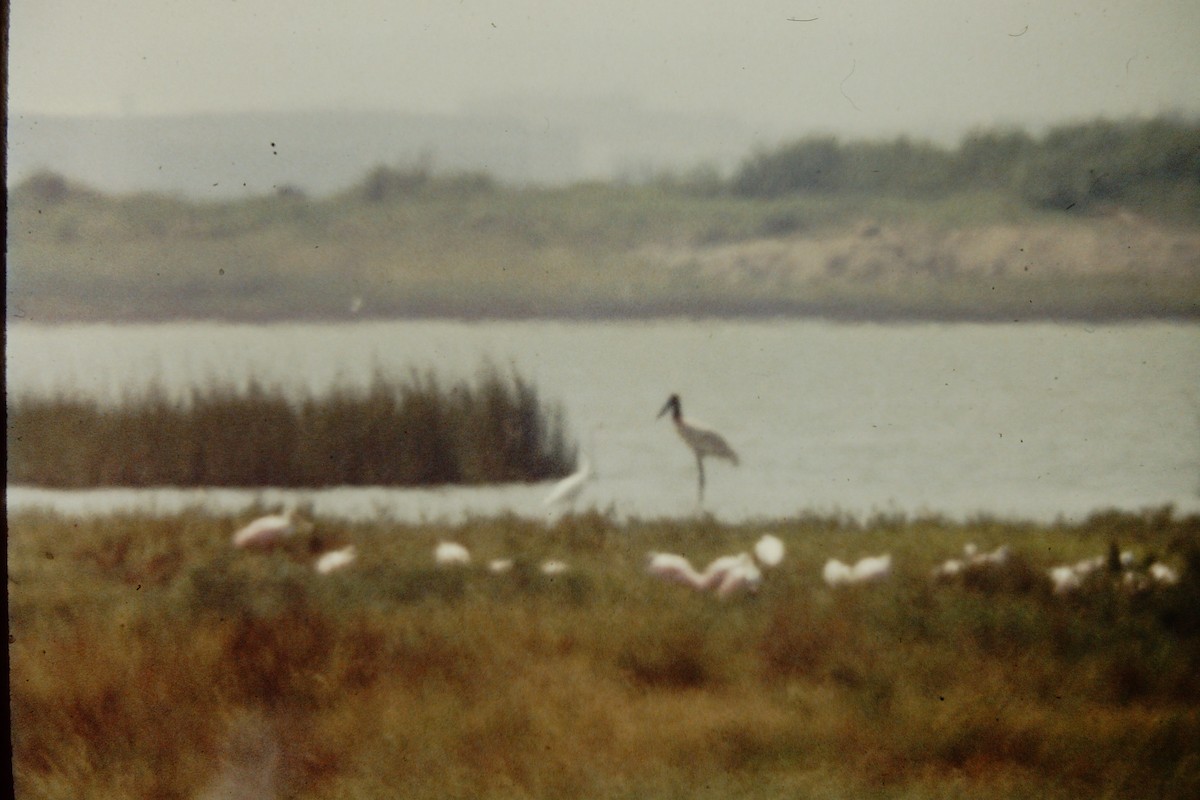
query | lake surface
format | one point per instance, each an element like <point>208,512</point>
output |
<point>1030,421</point>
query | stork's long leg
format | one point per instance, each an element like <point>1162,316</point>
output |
<point>700,467</point>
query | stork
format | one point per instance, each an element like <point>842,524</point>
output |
<point>702,440</point>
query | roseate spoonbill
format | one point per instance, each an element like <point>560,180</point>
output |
<point>675,568</point>
<point>268,531</point>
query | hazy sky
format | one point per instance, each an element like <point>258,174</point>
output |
<point>928,68</point>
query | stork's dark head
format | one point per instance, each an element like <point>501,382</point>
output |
<point>672,406</point>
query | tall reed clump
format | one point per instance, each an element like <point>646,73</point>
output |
<point>410,432</point>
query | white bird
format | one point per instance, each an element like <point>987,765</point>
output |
<point>1064,579</point>
<point>498,566</point>
<point>769,550</point>
<point>567,491</point>
<point>554,567</point>
<point>953,567</point>
<point>997,558</point>
<point>744,575</point>
<point>267,531</point>
<point>1134,581</point>
<point>835,573</point>
<point>716,570</point>
<point>702,440</point>
<point>1163,574</point>
<point>674,568</point>
<point>336,559</point>
<point>866,570</point>
<point>1089,565</point>
<point>948,568</point>
<point>872,568</point>
<point>450,554</point>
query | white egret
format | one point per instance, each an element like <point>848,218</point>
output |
<point>335,559</point>
<point>567,491</point>
<point>769,550</point>
<point>451,554</point>
<point>554,567</point>
<point>702,440</point>
<point>267,531</point>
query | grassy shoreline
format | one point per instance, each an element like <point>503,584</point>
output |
<point>149,659</point>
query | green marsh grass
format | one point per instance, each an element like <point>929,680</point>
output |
<point>149,659</point>
<point>411,431</point>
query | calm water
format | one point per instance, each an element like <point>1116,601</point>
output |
<point>1029,421</point>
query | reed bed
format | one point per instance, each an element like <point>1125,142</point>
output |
<point>150,659</point>
<point>407,432</point>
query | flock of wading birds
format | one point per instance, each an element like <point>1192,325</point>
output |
<point>731,574</point>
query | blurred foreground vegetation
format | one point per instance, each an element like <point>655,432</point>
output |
<point>1091,221</point>
<point>393,432</point>
<point>149,659</point>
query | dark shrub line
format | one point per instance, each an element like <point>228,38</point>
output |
<point>1070,167</point>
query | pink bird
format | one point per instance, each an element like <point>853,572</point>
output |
<point>267,531</point>
<point>674,568</point>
